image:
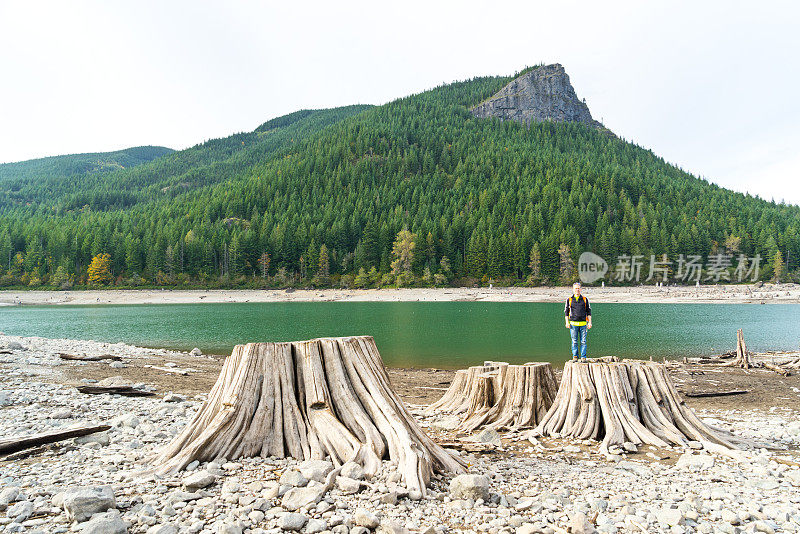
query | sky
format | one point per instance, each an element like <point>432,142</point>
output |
<point>709,86</point>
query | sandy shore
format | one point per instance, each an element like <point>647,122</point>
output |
<point>732,294</point>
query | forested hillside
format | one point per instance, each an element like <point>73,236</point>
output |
<point>56,167</point>
<point>417,191</point>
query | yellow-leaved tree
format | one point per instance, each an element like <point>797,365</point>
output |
<point>99,270</point>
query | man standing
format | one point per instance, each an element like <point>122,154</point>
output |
<point>578,318</point>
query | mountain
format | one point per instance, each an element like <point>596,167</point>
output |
<point>61,166</point>
<point>176,172</point>
<point>416,191</point>
<point>543,93</point>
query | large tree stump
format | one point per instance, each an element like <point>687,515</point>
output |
<point>312,399</point>
<point>499,395</point>
<point>630,401</point>
<point>462,390</point>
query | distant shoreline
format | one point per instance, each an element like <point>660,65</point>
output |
<point>725,294</point>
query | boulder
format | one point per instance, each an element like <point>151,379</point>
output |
<point>364,518</point>
<point>107,523</point>
<point>315,469</point>
<point>470,487</point>
<point>81,503</point>
<point>198,480</point>
<point>353,470</point>
<point>292,522</point>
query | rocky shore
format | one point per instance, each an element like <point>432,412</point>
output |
<point>104,483</point>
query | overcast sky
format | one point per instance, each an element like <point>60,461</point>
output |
<point>710,86</point>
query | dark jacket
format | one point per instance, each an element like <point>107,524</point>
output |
<point>577,310</point>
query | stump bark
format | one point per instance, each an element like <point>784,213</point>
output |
<point>633,401</point>
<point>499,395</point>
<point>327,397</point>
<point>742,356</point>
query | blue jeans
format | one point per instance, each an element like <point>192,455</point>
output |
<point>578,335</point>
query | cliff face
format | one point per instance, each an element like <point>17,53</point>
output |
<point>542,94</point>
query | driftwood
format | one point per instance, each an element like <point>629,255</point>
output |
<point>19,443</point>
<point>88,357</point>
<point>126,391</point>
<point>327,397</point>
<point>697,394</point>
<point>630,401</point>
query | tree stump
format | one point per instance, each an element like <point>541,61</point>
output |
<point>742,358</point>
<point>633,401</point>
<point>499,395</point>
<point>327,397</point>
<point>459,395</point>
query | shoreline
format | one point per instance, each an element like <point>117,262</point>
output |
<point>716,294</point>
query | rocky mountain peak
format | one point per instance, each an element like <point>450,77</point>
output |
<point>541,94</point>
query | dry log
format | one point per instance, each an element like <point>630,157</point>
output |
<point>126,391</point>
<point>309,399</point>
<point>19,443</point>
<point>89,357</point>
<point>778,369</point>
<point>632,401</point>
<point>513,396</point>
<point>696,394</point>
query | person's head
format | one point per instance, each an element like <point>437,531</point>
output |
<point>576,288</point>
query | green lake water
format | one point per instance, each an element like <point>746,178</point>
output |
<point>424,334</point>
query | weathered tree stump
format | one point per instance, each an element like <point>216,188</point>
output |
<point>327,397</point>
<point>499,395</point>
<point>519,396</point>
<point>629,401</point>
<point>742,358</point>
<point>461,392</point>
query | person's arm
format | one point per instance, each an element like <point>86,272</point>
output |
<point>588,315</point>
<point>566,314</point>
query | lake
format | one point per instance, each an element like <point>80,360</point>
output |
<point>424,334</point>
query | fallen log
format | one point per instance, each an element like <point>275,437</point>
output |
<point>19,443</point>
<point>629,401</point>
<point>327,397</point>
<point>699,394</point>
<point>126,391</point>
<point>88,357</point>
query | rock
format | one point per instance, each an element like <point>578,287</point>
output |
<point>630,446</point>
<point>669,516</point>
<point>487,436</point>
<point>107,523</point>
<point>528,528</point>
<point>98,437</point>
<point>128,420</point>
<point>173,397</point>
<point>292,522</point>
<point>730,517</point>
<point>391,527</point>
<point>347,485</point>
<point>296,498</point>
<point>695,461</point>
<point>470,487</point>
<point>365,518</point>
<point>762,526</point>
<point>579,524</point>
<point>8,495</point>
<point>61,413</point>
<point>353,470</point>
<point>696,445</point>
<point>164,528</point>
<point>195,352</point>
<point>389,498</point>
<point>293,478</point>
<point>20,511</point>
<point>315,469</point>
<point>117,365</point>
<point>541,94</point>
<point>227,528</point>
<point>15,345</point>
<point>81,503</point>
<point>315,525</point>
<point>5,400</point>
<point>198,480</point>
